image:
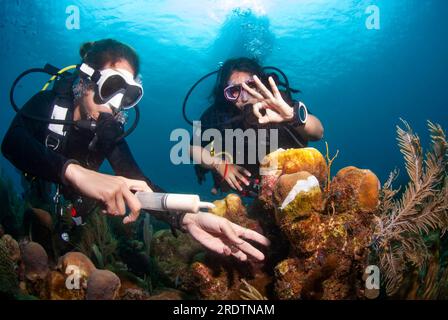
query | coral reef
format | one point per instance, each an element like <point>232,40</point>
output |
<point>329,228</point>
<point>325,231</point>
<point>295,160</point>
<point>103,285</point>
<point>38,226</point>
<point>289,161</point>
<point>57,288</point>
<point>218,277</point>
<point>70,261</point>
<point>173,257</point>
<point>354,189</point>
<point>35,260</point>
<point>97,240</point>
<point>9,284</point>
<point>12,248</point>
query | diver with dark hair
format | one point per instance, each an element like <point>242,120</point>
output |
<point>245,97</point>
<point>63,136</point>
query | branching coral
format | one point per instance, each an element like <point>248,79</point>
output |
<point>423,206</point>
<point>329,163</point>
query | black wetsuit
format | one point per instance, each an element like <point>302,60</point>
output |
<point>24,146</point>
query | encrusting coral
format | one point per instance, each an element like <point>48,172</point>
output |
<point>9,284</point>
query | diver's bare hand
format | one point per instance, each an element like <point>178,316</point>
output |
<point>234,174</point>
<point>222,236</point>
<point>114,192</point>
<point>277,110</point>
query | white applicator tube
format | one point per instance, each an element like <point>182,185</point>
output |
<point>172,202</point>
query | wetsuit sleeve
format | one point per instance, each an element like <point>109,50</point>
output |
<point>23,144</point>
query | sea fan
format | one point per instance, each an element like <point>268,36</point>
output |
<point>423,207</point>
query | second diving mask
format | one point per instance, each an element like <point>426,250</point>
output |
<point>116,87</point>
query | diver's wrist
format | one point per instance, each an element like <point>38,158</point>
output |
<point>216,163</point>
<point>300,114</point>
<point>289,114</point>
<point>71,172</point>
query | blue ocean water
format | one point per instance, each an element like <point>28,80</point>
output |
<point>358,81</point>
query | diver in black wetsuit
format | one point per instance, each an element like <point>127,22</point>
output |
<point>70,155</point>
<point>242,100</point>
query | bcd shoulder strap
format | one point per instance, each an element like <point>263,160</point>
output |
<point>62,109</point>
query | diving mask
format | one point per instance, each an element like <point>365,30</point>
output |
<point>115,87</point>
<point>233,92</point>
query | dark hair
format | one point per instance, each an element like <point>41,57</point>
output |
<point>99,53</point>
<point>239,64</point>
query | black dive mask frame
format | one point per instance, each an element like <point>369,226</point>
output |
<point>82,124</point>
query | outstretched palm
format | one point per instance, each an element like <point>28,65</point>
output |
<point>222,236</point>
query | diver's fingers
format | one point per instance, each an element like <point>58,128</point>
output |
<point>256,109</point>
<point>235,182</point>
<point>244,171</point>
<point>240,255</point>
<point>226,228</point>
<point>274,88</point>
<point>264,91</point>
<point>137,185</point>
<point>242,178</point>
<point>250,234</point>
<point>253,92</point>
<point>111,205</point>
<point>133,204</point>
<point>230,182</point>
<point>120,204</point>
<point>249,249</point>
<point>264,120</point>
<point>209,241</point>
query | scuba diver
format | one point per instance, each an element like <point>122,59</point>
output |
<point>63,136</point>
<point>242,100</point>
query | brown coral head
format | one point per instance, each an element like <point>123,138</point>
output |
<point>103,285</point>
<point>43,218</point>
<point>355,189</point>
<point>71,260</point>
<point>35,260</point>
<point>286,183</point>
